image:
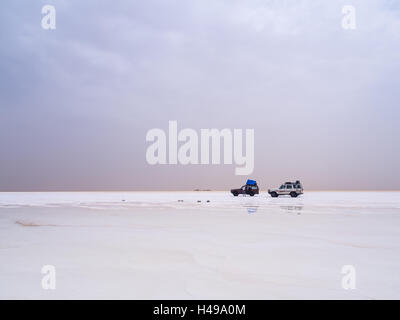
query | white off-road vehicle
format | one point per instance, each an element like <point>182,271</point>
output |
<point>292,189</point>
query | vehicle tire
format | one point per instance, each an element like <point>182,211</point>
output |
<point>293,194</point>
<point>235,194</point>
<point>251,194</point>
<point>274,195</point>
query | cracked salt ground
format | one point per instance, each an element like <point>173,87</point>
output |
<point>153,246</point>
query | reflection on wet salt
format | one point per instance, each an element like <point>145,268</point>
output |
<point>251,208</point>
<point>296,209</point>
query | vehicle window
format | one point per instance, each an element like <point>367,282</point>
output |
<point>282,187</point>
<point>289,186</point>
<point>243,188</point>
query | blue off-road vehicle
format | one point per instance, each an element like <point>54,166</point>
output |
<point>250,188</point>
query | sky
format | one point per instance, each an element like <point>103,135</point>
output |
<point>77,102</point>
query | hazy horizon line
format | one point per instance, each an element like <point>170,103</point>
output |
<point>94,191</point>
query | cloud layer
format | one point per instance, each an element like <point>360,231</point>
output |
<point>76,102</point>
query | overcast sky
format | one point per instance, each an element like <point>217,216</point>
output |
<point>76,102</point>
